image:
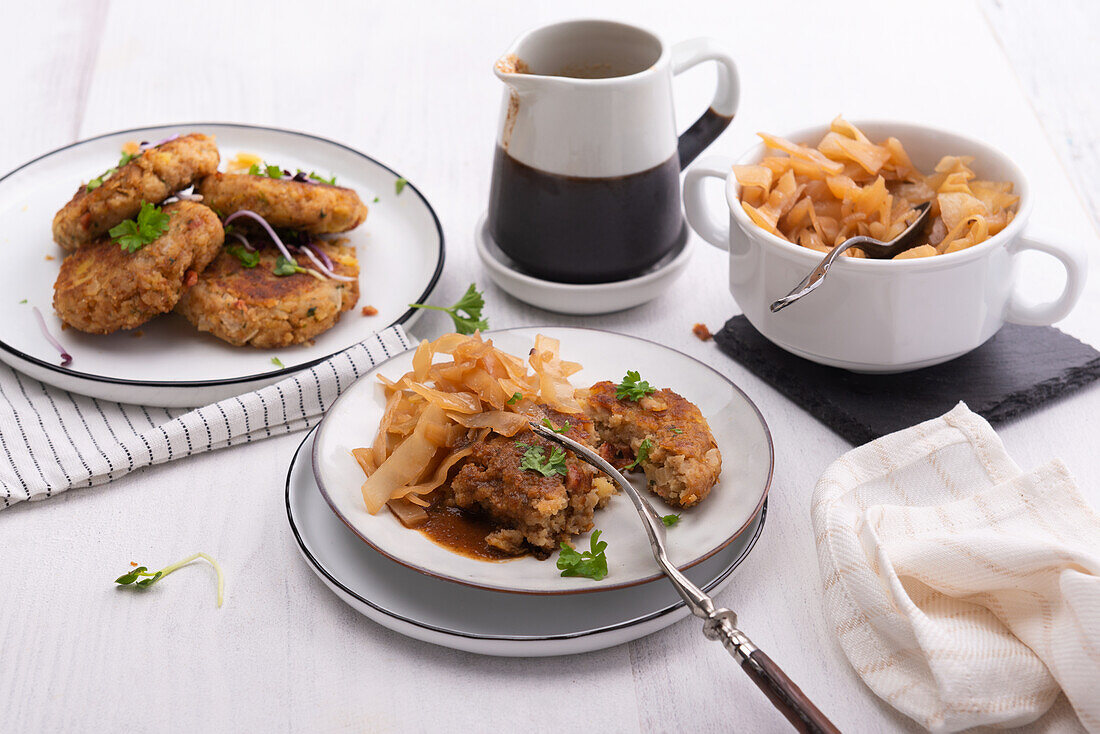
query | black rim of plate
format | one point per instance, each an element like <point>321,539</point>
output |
<point>320,568</point>
<point>261,375</point>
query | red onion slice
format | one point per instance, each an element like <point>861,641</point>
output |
<point>308,252</point>
<point>188,197</point>
<point>66,358</point>
<point>146,146</point>
<point>321,254</point>
<point>267,228</point>
<point>244,241</point>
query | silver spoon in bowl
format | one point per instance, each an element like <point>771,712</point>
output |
<point>718,624</point>
<point>874,249</point>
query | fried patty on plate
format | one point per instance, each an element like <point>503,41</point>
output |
<point>152,176</point>
<point>309,207</point>
<point>101,288</point>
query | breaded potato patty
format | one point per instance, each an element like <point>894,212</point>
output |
<point>153,176</point>
<point>531,511</point>
<point>309,207</point>
<point>254,306</point>
<point>102,288</point>
<point>683,462</point>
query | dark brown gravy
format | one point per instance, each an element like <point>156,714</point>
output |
<point>462,533</point>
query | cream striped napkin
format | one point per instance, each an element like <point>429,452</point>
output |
<point>52,440</point>
<point>963,591</point>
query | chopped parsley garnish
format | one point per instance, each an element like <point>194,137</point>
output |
<point>312,310</point>
<point>134,234</point>
<point>287,267</point>
<point>633,387</point>
<point>534,459</point>
<point>316,177</point>
<point>278,363</point>
<point>273,171</point>
<point>143,578</point>
<point>564,429</point>
<point>642,455</point>
<point>670,520</point>
<point>96,182</point>
<point>25,300</point>
<point>516,396</point>
<point>591,563</point>
<point>676,430</point>
<point>466,313</point>
<point>399,185</point>
<point>376,200</point>
<point>248,259</point>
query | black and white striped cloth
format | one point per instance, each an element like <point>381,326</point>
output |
<point>52,440</point>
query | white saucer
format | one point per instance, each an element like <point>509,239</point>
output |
<point>580,299</point>
<point>475,620</point>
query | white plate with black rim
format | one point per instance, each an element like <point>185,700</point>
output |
<point>400,251</point>
<point>474,620</point>
<point>702,531</point>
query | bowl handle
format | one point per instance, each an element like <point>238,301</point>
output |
<point>711,229</point>
<point>1073,259</point>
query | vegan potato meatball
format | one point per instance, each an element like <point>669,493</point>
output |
<point>102,288</point>
<point>309,207</point>
<point>683,461</point>
<point>152,176</point>
<point>531,511</point>
<point>252,305</point>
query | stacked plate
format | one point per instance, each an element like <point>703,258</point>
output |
<point>523,607</point>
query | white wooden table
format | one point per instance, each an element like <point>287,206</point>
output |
<point>411,85</point>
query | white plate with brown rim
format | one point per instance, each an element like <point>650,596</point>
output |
<point>399,247</point>
<point>737,425</point>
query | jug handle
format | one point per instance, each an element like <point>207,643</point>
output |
<point>719,115</point>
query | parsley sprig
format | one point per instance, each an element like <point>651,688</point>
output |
<point>143,578</point>
<point>633,387</point>
<point>641,455</point>
<point>516,397</point>
<point>134,234</point>
<point>564,428</point>
<point>399,186</point>
<point>534,459</point>
<point>591,563</point>
<point>466,313</point>
<point>670,520</point>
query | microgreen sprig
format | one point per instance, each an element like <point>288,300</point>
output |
<point>641,455</point>
<point>564,428</point>
<point>142,577</point>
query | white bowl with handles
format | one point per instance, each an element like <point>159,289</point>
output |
<point>883,315</point>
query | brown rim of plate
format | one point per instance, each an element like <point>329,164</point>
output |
<point>509,590</point>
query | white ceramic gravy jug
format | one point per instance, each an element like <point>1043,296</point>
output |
<point>586,176</point>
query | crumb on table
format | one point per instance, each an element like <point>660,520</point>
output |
<point>701,331</point>
<point>50,257</point>
<point>369,311</point>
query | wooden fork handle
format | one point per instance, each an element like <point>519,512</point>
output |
<point>786,696</point>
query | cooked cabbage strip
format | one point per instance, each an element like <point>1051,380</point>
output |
<point>437,411</point>
<point>848,185</point>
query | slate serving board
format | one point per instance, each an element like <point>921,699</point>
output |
<point>1019,369</point>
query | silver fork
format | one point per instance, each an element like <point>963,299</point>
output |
<point>875,249</point>
<point>718,623</point>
